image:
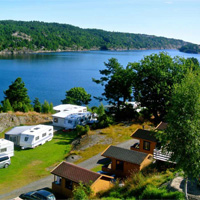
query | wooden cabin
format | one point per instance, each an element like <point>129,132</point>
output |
<point>67,176</point>
<point>146,141</point>
<point>124,162</point>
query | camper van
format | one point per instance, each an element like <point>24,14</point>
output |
<point>4,160</point>
<point>7,147</point>
<point>36,136</point>
<point>73,120</point>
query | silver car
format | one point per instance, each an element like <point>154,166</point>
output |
<point>4,160</point>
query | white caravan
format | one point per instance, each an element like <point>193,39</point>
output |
<point>7,147</point>
<point>69,107</point>
<point>65,111</point>
<point>36,136</point>
<point>15,133</point>
<point>71,121</point>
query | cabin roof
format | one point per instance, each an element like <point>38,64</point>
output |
<point>127,155</point>
<point>18,130</point>
<point>144,134</point>
<point>161,126</point>
<point>75,173</point>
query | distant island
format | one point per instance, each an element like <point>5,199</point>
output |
<point>190,48</point>
<point>32,37</point>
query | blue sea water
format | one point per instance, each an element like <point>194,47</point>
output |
<point>49,75</point>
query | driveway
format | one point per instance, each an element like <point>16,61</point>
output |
<point>46,182</point>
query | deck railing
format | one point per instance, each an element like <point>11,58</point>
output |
<point>162,155</point>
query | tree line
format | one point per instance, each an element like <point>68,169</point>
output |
<point>149,82</point>
<point>33,35</point>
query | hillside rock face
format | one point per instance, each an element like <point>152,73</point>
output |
<point>11,119</point>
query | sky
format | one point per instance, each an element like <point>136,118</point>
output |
<point>179,19</point>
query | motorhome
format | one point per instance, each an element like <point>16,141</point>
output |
<point>6,147</point>
<point>36,136</point>
<point>65,110</point>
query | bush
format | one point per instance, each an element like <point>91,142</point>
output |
<point>79,194</point>
<point>151,192</point>
<point>82,192</point>
<point>103,121</point>
<point>82,130</point>
<point>145,114</point>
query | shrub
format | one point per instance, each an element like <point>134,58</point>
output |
<point>82,130</point>
<point>82,192</point>
<point>151,192</point>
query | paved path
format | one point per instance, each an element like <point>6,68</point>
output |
<point>46,182</point>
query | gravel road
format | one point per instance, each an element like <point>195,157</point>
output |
<point>46,182</point>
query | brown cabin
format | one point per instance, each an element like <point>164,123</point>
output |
<point>124,162</point>
<point>67,176</point>
<point>146,141</point>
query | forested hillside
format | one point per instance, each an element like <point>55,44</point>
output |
<point>19,36</point>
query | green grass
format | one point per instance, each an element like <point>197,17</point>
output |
<point>97,168</point>
<point>32,164</point>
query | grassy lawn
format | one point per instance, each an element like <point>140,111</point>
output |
<point>32,164</point>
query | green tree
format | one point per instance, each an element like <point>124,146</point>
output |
<point>117,82</point>
<point>17,95</point>
<point>182,136</point>
<point>78,96</point>
<point>46,107</point>
<point>154,77</point>
<point>7,106</point>
<point>51,108</point>
<point>37,105</point>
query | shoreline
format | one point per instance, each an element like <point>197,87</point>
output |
<point>29,52</point>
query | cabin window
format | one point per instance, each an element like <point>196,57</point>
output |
<point>44,134</point>
<point>50,133</point>
<point>55,120</point>
<point>119,165</point>
<point>26,139</point>
<point>3,150</point>
<point>68,184</point>
<point>37,138</point>
<point>146,145</point>
<point>70,121</point>
<point>49,129</point>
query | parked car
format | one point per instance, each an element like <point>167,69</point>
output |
<point>4,160</point>
<point>39,194</point>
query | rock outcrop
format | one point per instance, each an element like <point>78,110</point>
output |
<point>15,119</point>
